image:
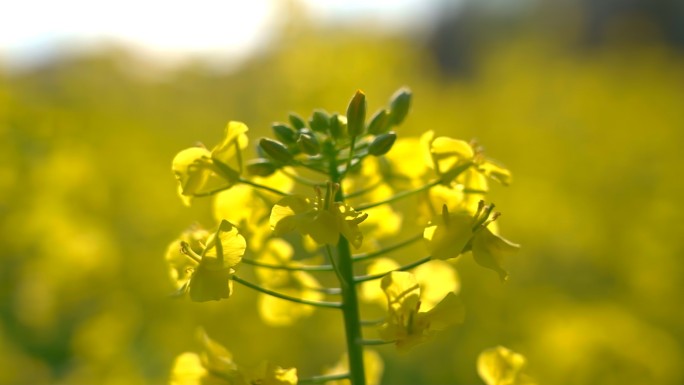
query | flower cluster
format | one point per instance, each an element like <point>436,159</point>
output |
<point>375,197</point>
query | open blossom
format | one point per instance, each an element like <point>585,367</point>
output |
<point>194,166</point>
<point>406,325</point>
<point>452,234</point>
<point>203,263</point>
<point>321,218</point>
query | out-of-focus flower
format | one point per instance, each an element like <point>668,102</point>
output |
<point>300,284</point>
<point>502,366</point>
<point>322,219</point>
<point>406,325</point>
<point>215,366</point>
<point>451,234</point>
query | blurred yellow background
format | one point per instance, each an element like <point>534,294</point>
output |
<point>587,112</point>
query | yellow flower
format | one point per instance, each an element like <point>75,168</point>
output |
<point>451,157</point>
<point>322,219</point>
<point>406,325</point>
<point>193,167</point>
<point>452,234</point>
<point>206,275</point>
<point>436,279</point>
<point>215,366</point>
<point>502,366</point>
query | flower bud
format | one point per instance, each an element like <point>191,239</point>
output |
<point>284,133</point>
<point>275,150</point>
<point>260,167</point>
<point>399,105</point>
<point>320,121</point>
<point>382,143</point>
<point>297,122</point>
<point>379,123</point>
<point>309,144</point>
<point>356,114</point>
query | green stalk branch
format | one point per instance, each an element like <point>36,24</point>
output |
<point>399,196</point>
<point>365,278</point>
<point>376,342</point>
<point>323,378</point>
<point>365,256</point>
<point>256,263</point>
<point>329,305</point>
<point>263,187</point>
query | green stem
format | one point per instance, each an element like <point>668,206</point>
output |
<point>323,378</point>
<point>286,267</point>
<point>365,256</point>
<point>330,305</point>
<point>409,266</point>
<point>399,196</point>
<point>263,187</point>
<point>350,303</point>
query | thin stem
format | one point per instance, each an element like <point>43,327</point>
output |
<point>330,305</point>
<point>364,191</point>
<point>254,262</point>
<point>326,290</point>
<point>323,378</point>
<point>376,342</point>
<point>212,192</point>
<point>409,266</point>
<point>299,179</point>
<point>399,196</point>
<point>365,256</point>
<point>263,187</point>
<point>372,322</point>
<point>351,155</point>
<point>310,167</point>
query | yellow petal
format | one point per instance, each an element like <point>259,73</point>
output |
<point>448,312</point>
<point>285,213</point>
<point>187,370</point>
<point>226,246</point>
<point>490,251</point>
<point>436,278</point>
<point>371,291</point>
<point>234,136</point>
<point>191,171</point>
<point>447,239</point>
<point>276,252</point>
<point>402,291</point>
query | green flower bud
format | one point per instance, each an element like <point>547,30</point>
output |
<point>297,122</point>
<point>382,143</point>
<point>309,144</point>
<point>356,114</point>
<point>338,126</point>
<point>399,105</point>
<point>284,133</point>
<point>379,123</point>
<point>320,121</point>
<point>260,167</point>
<point>275,150</point>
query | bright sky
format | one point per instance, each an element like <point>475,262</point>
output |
<point>32,29</point>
